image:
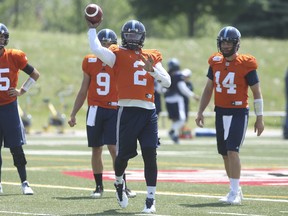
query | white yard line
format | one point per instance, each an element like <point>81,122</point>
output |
<point>144,192</point>
<point>232,213</point>
<point>25,213</point>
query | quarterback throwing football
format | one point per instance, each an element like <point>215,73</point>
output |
<point>136,69</point>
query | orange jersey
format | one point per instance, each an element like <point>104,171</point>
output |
<point>133,82</point>
<point>230,81</point>
<point>11,61</point>
<point>102,89</point>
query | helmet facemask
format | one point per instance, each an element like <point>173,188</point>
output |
<point>133,40</point>
<point>236,45</point>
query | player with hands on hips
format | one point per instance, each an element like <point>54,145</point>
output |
<point>230,75</point>
<point>135,69</point>
<point>12,132</point>
<point>99,83</point>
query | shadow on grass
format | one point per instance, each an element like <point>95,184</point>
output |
<point>203,205</point>
<point>79,198</point>
<point>106,213</point>
<point>7,195</point>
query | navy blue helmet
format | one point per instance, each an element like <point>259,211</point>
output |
<point>133,35</point>
<point>173,65</point>
<point>229,34</point>
<point>4,31</point>
<point>107,35</point>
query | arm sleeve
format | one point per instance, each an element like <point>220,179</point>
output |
<point>161,75</point>
<point>106,55</point>
<point>184,89</point>
<point>210,73</point>
<point>28,69</point>
<point>252,78</point>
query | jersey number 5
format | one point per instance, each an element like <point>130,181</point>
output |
<point>4,81</point>
<point>228,83</point>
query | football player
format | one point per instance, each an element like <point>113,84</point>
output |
<point>175,99</point>
<point>230,75</point>
<point>99,84</point>
<point>12,133</point>
<point>136,69</point>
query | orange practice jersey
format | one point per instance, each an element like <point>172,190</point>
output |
<point>230,83</point>
<point>102,89</point>
<point>11,62</point>
<point>133,82</point>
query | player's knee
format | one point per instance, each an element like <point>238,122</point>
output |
<point>149,156</point>
<point>18,156</point>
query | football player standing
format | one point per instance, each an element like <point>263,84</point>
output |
<point>230,75</point>
<point>12,132</point>
<point>175,98</point>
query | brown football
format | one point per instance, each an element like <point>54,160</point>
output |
<point>93,13</point>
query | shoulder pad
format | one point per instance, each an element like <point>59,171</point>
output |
<point>216,57</point>
<point>249,61</point>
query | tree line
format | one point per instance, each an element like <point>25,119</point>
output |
<point>163,18</point>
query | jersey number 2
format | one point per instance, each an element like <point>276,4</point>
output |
<point>139,73</point>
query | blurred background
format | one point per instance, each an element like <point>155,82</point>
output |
<point>163,19</point>
<point>53,35</point>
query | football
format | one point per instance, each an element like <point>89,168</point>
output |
<point>93,13</point>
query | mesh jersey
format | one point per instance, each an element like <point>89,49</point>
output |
<point>230,80</point>
<point>133,82</point>
<point>11,61</point>
<point>102,88</point>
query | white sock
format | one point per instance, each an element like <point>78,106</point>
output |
<point>118,179</point>
<point>151,190</point>
<point>177,125</point>
<point>234,185</point>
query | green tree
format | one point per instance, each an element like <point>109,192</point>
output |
<point>61,15</point>
<point>266,18</point>
<point>168,10</point>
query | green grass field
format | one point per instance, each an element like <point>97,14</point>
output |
<point>191,178</point>
<point>181,189</point>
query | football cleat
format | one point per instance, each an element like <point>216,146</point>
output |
<point>174,137</point>
<point>129,193</point>
<point>98,192</point>
<point>121,195</point>
<point>26,189</point>
<point>233,199</point>
<point>1,189</point>
<point>149,206</point>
